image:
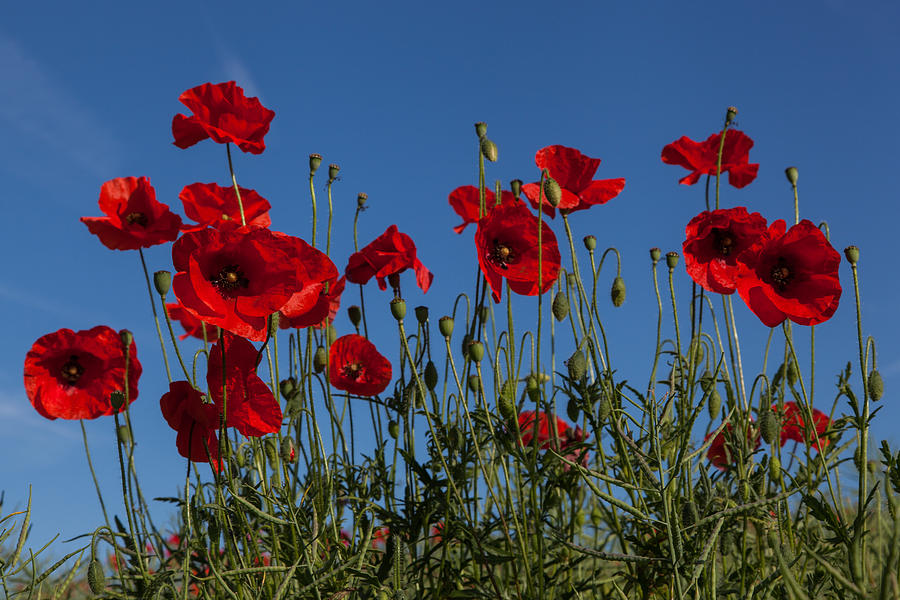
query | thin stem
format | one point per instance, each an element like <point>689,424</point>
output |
<point>237,191</point>
<point>93,474</point>
<point>162,343</point>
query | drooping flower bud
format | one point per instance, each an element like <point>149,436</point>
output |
<point>576,365</point>
<point>573,410</point>
<point>603,408</point>
<point>730,114</point>
<point>162,281</point>
<point>506,403</point>
<point>320,359</point>
<point>475,351</point>
<point>532,388</point>
<point>287,387</point>
<point>775,469</point>
<point>852,254</point>
<point>333,171</point>
<point>288,450</point>
<point>714,404</point>
<point>116,399</point>
<point>516,186</point>
<point>398,308</point>
<point>655,253</point>
<point>315,160</point>
<point>445,325</point>
<point>793,373</point>
<point>394,429</point>
<point>271,449</point>
<point>421,314</point>
<point>552,191</point>
<point>361,199</point>
<point>671,259</point>
<point>489,149</point>
<point>96,578</point>
<point>590,242</point>
<point>560,307</point>
<point>355,315</point>
<point>123,433</point>
<point>617,294</point>
<point>769,427</point>
<point>792,175</point>
<point>876,385</point>
<point>474,382</point>
<point>431,375</point>
<point>480,129</point>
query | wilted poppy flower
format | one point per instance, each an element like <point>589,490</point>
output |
<point>700,158</point>
<point>390,253</point>
<point>507,244</point>
<point>356,366</point>
<point>467,204</point>
<point>325,298</point>
<point>192,325</point>
<point>70,375</point>
<point>250,406</point>
<point>214,206</point>
<point>574,172</point>
<point>790,275</point>
<point>195,421</point>
<point>223,113</point>
<point>236,279</point>
<point>714,241</point>
<point>793,425</point>
<point>134,219</point>
<point>721,452</point>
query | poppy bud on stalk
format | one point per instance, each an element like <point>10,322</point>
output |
<point>852,254</point>
<point>655,253</point>
<point>480,129</point>
<point>320,358</point>
<point>431,375</point>
<point>476,351</point>
<point>876,385</point>
<point>617,294</point>
<point>288,450</point>
<point>792,175</point>
<point>774,469</point>
<point>489,149</point>
<point>474,383</point>
<point>671,259</point>
<point>506,403</point>
<point>573,410</point>
<point>127,337</point>
<point>394,429</point>
<point>576,365</point>
<point>315,160</point>
<point>124,434</point>
<point>445,325</point>
<point>516,186</point>
<point>730,114</point>
<point>355,315</point>
<point>398,308</point>
<point>552,191</point>
<point>96,578</point>
<point>287,387</point>
<point>560,307</point>
<point>333,170</point>
<point>162,280</point>
<point>714,404</point>
<point>421,314</point>
<point>603,408</point>
<point>361,199</point>
<point>769,427</point>
<point>590,242</point>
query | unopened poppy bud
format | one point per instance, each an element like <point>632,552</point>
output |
<point>361,199</point>
<point>730,114</point>
<point>590,242</point>
<point>445,325</point>
<point>333,170</point>
<point>431,375</point>
<point>560,307</point>
<point>288,450</point>
<point>775,469</point>
<point>576,365</point>
<point>474,383</point>
<point>552,191</point>
<point>793,373</point>
<point>162,281</point>
<point>271,449</point>
<point>573,410</point>
<point>532,388</point>
<point>876,385</point>
<point>596,516</point>
<point>655,253</point>
<point>603,408</point>
<point>421,314</point>
<point>475,350</point>
<point>792,175</point>
<point>671,259</point>
<point>578,519</point>
<point>287,387</point>
<point>315,160</point>
<point>398,308</point>
<point>394,429</point>
<point>320,359</point>
<point>516,186</point>
<point>124,434</point>
<point>126,337</point>
<point>506,403</point>
<point>480,129</point>
<point>489,149</point>
<point>769,427</point>
<point>96,578</point>
<point>617,294</point>
<point>714,404</point>
<point>355,315</point>
<point>116,399</point>
<point>273,324</point>
<point>852,254</point>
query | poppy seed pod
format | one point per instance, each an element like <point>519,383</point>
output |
<point>474,383</point>
<point>671,259</point>
<point>792,175</point>
<point>852,254</point>
<point>320,358</point>
<point>116,399</point>
<point>398,308</point>
<point>315,161</point>
<point>96,578</point>
<point>394,429</point>
<point>617,294</point>
<point>445,325</point>
<point>876,385</point>
<point>730,114</point>
<point>480,129</point>
<point>552,191</point>
<point>560,307</point>
<point>361,199</point>
<point>655,253</point>
<point>431,375</point>
<point>333,170</point>
<point>489,149</point>
<point>421,314</point>
<point>769,427</point>
<point>576,365</point>
<point>516,186</point>
<point>590,242</point>
<point>354,313</point>
<point>162,281</point>
<point>475,350</point>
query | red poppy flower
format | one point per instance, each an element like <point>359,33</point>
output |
<point>507,244</point>
<point>714,241</point>
<point>700,158</point>
<point>565,435</point>
<point>390,253</point>
<point>70,375</point>
<point>214,206</point>
<point>192,325</point>
<point>250,406</point>
<point>721,452</point>
<point>355,366</point>
<point>573,171</point>
<point>311,304</point>
<point>793,425</point>
<point>380,537</point>
<point>467,204</point>
<point>195,421</point>
<point>223,113</point>
<point>134,219</point>
<point>236,279</point>
<point>790,275</point>
<point>322,311</point>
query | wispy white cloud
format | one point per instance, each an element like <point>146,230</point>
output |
<point>19,420</point>
<point>35,106</point>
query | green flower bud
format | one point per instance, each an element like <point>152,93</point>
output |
<point>578,519</point>
<point>852,254</point>
<point>596,516</point>
<point>489,149</point>
<point>96,578</point>
<point>287,386</point>
<point>655,253</point>
<point>576,365</point>
<point>876,385</point>
<point>271,448</point>
<point>769,427</point>
<point>394,429</point>
<point>288,450</point>
<point>474,383</point>
<point>775,469</point>
<point>320,359</point>
<point>126,337</point>
<point>162,280</point>
<point>573,411</point>
<point>398,308</point>
<point>571,279</point>
<point>476,351</point>
<point>590,242</point>
<point>730,114</point>
<point>671,259</point>
<point>421,314</point>
<point>617,294</point>
<point>124,434</point>
<point>793,373</point>
<point>355,315</point>
<point>603,408</point>
<point>480,129</point>
<point>532,388</point>
<point>792,175</point>
<point>333,170</point>
<point>431,375</point>
<point>315,160</point>
<point>516,186</point>
<point>116,399</point>
<point>552,191</point>
<point>714,404</point>
<point>361,199</point>
<point>560,307</point>
<point>706,381</point>
<point>506,403</point>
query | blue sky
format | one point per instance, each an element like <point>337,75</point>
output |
<point>390,92</point>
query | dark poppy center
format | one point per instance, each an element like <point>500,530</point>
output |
<point>230,278</point>
<point>502,255</point>
<point>71,370</point>
<point>352,371</point>
<point>137,218</point>
<point>781,274</point>
<point>723,241</point>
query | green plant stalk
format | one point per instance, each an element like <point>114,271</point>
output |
<point>863,424</point>
<point>162,344</point>
<point>237,190</point>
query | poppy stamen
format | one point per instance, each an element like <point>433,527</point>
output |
<point>723,241</point>
<point>502,255</point>
<point>353,370</point>
<point>781,275</point>
<point>229,279</point>
<point>72,371</point>
<point>136,218</point>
